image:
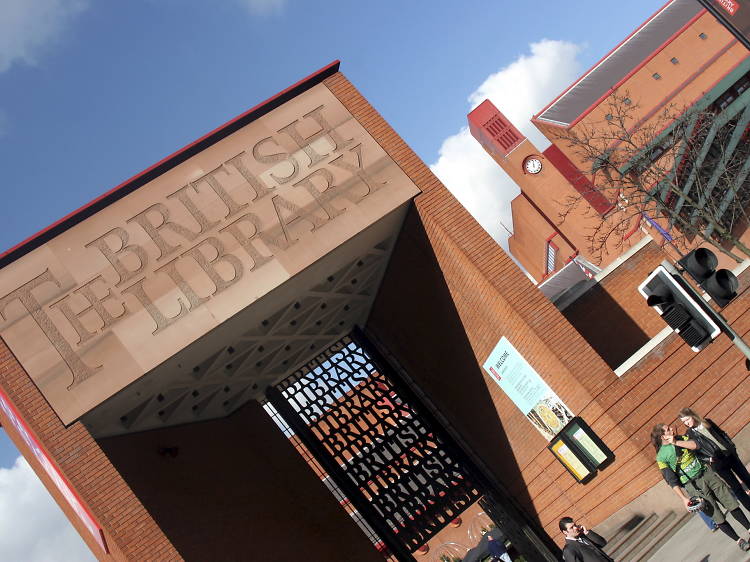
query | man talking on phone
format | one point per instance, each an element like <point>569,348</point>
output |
<point>582,544</point>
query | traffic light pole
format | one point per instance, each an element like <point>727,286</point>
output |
<point>737,340</point>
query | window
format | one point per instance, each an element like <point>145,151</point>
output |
<point>675,60</point>
<point>656,76</point>
<point>608,117</point>
<point>732,93</point>
<point>627,101</point>
<point>551,255</point>
<point>703,36</point>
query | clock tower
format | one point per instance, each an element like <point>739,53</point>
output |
<point>537,242</point>
<point>506,144</point>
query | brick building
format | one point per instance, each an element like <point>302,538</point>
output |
<point>680,58</point>
<point>302,259</point>
<point>679,61</point>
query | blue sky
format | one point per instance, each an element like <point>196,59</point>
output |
<point>92,92</point>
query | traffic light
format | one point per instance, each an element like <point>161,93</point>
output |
<point>720,284</point>
<point>684,309</point>
<point>680,306</point>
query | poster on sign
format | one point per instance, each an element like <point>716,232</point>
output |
<point>528,391</point>
<point>732,14</point>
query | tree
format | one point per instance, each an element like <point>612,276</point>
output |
<point>685,171</point>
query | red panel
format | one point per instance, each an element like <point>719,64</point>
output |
<point>578,180</point>
<point>53,471</point>
<point>493,130</point>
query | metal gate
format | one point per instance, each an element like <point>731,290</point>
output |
<point>393,460</point>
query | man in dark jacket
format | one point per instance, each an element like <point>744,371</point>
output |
<point>582,544</point>
<point>496,547</point>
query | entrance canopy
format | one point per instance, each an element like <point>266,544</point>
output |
<point>215,273</point>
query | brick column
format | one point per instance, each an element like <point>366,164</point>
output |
<point>130,532</point>
<point>449,276</point>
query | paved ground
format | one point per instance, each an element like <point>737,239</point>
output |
<point>695,543</point>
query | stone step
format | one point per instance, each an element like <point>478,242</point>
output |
<point>637,537</point>
<point>622,534</point>
<point>666,532</point>
<point>642,536</point>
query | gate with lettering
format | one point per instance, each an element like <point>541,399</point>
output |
<point>399,470</point>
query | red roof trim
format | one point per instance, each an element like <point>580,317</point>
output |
<point>535,118</point>
<point>637,68</point>
<point>166,164</point>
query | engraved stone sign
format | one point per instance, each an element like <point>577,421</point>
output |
<point>112,297</point>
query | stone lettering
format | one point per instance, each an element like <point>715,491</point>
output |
<point>204,224</point>
<point>259,189</point>
<point>171,270</point>
<point>295,214</point>
<point>209,265</point>
<point>95,305</point>
<point>291,201</point>
<point>210,178</point>
<point>357,170</point>
<point>81,371</point>
<point>153,230</point>
<point>162,321</point>
<point>246,241</point>
<point>275,159</point>
<point>113,256</point>
<point>322,196</point>
<point>326,130</point>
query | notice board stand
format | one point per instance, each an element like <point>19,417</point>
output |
<point>580,450</point>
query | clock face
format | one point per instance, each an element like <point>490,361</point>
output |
<point>532,165</point>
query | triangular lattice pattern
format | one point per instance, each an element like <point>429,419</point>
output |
<point>267,351</point>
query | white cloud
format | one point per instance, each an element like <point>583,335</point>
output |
<point>519,90</point>
<point>33,528</point>
<point>263,7</point>
<point>27,27</point>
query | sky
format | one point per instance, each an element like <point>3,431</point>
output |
<point>94,91</point>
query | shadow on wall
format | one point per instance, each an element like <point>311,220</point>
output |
<point>235,489</point>
<point>606,326</point>
<point>415,319</point>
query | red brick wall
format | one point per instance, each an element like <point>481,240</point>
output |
<point>714,382</point>
<point>451,293</point>
<point>130,532</point>
<point>531,233</point>
<point>236,490</point>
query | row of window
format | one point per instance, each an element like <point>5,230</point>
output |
<point>675,60</point>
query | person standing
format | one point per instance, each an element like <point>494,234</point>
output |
<point>683,470</point>
<point>496,547</point>
<point>582,544</point>
<point>717,449</point>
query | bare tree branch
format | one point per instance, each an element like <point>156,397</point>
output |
<point>688,169</point>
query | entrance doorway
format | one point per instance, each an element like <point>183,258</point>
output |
<point>380,447</point>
